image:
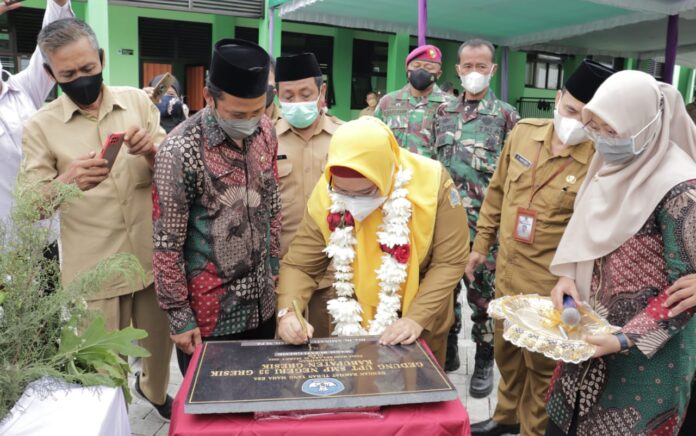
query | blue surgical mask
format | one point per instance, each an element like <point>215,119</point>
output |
<point>238,129</point>
<point>300,115</point>
<point>619,151</point>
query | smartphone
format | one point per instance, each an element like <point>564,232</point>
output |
<point>112,146</point>
<point>161,87</point>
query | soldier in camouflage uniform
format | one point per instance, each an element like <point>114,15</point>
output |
<point>469,136</point>
<point>409,111</point>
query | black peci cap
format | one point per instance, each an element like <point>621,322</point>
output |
<point>298,67</point>
<point>240,68</point>
<point>585,80</point>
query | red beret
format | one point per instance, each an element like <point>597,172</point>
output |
<point>426,53</point>
<point>346,172</point>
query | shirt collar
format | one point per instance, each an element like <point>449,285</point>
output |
<point>435,95</point>
<point>211,129</point>
<point>110,101</point>
<point>581,152</point>
<point>487,105</point>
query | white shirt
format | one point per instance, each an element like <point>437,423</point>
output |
<point>21,96</point>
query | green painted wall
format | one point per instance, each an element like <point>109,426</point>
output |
<point>539,93</point>
<point>516,72</point>
<point>684,83</point>
<point>343,73</point>
<point>399,45</point>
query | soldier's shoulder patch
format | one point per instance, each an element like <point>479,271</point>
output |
<point>454,198</point>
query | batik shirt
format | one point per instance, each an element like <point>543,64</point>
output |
<point>216,213</point>
<point>411,118</point>
<point>643,392</point>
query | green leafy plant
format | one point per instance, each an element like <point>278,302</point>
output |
<point>52,334</point>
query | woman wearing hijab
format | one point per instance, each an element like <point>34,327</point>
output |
<point>391,222</point>
<point>630,237</point>
<point>171,106</point>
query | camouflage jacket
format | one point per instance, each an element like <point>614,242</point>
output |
<point>468,142</point>
<point>411,118</point>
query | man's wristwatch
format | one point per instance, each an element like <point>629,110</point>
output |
<point>282,312</point>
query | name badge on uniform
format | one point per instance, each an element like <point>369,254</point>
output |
<point>525,225</point>
<point>523,160</point>
<point>282,157</point>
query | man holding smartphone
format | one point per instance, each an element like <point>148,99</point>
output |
<point>20,97</point>
<point>62,144</point>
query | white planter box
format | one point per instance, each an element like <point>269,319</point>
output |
<point>68,410</point>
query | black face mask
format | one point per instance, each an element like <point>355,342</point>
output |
<point>84,90</point>
<point>421,79</point>
<point>270,95</point>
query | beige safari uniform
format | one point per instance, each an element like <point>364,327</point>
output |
<point>114,217</point>
<point>443,267</point>
<point>300,165</point>
<point>524,268</point>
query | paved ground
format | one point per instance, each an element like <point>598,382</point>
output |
<point>145,422</point>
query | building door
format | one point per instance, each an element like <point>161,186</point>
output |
<point>195,81</point>
<point>152,70</point>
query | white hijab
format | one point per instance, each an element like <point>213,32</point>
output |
<point>615,201</point>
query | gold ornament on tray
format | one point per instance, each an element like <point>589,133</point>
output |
<point>533,323</point>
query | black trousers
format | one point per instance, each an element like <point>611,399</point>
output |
<point>264,331</point>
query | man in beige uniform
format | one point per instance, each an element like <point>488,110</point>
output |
<point>527,206</point>
<point>61,144</point>
<point>304,134</point>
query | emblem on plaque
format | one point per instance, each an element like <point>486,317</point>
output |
<point>322,386</point>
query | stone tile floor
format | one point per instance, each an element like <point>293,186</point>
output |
<point>145,422</point>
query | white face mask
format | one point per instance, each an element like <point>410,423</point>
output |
<point>360,207</point>
<point>569,130</point>
<point>475,82</point>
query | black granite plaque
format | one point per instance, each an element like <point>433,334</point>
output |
<point>337,373</point>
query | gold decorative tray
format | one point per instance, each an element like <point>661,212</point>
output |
<point>531,322</point>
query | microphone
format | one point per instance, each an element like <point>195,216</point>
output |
<point>570,315</point>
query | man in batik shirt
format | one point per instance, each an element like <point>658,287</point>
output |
<point>217,209</point>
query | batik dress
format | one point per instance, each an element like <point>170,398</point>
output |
<point>646,390</point>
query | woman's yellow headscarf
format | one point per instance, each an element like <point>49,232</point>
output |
<point>368,146</point>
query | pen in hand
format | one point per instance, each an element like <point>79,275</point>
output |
<point>303,323</point>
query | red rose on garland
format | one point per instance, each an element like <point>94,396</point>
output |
<point>334,220</point>
<point>402,253</point>
<point>348,219</point>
